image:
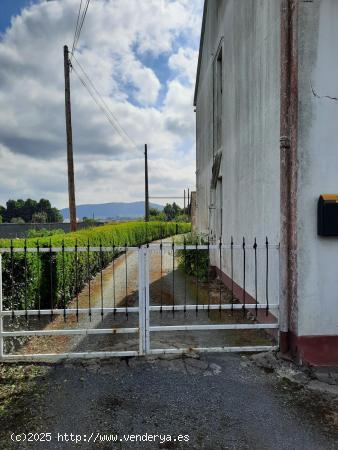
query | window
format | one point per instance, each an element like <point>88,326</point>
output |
<point>218,98</point>
<point>219,209</point>
<point>216,212</point>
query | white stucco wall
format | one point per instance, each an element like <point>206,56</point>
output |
<point>250,164</point>
<point>204,120</point>
<point>318,165</point>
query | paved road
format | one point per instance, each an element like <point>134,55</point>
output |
<point>219,401</point>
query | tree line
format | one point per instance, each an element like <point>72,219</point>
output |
<point>29,211</point>
<point>171,212</point>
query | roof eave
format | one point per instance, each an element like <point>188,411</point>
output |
<point>200,51</point>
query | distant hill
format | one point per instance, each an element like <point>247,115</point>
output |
<point>110,210</point>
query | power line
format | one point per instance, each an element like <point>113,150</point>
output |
<point>79,24</point>
<point>76,28</point>
<point>95,100</point>
<point>82,22</point>
<point>106,107</point>
<point>103,110</point>
<point>101,103</point>
<point>109,111</point>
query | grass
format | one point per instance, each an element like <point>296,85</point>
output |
<point>21,388</point>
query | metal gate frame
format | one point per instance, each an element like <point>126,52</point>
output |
<point>143,310</point>
<point>146,328</point>
<point>55,357</point>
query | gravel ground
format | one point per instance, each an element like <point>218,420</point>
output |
<point>215,401</point>
<point>218,401</point>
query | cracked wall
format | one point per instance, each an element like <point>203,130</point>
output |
<point>250,163</point>
<point>318,163</point>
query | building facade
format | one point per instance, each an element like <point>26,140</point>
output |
<point>267,147</point>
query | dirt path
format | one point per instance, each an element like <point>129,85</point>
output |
<point>168,285</point>
<point>114,295</point>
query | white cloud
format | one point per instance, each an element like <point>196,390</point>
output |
<point>178,109</point>
<point>184,63</point>
<point>118,36</point>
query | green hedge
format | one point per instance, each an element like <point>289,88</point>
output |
<point>37,278</point>
<point>195,262</point>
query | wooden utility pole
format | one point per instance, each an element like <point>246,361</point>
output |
<point>70,160</point>
<point>146,183</point>
<point>188,207</point>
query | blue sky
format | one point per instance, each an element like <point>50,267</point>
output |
<point>10,8</point>
<point>144,66</point>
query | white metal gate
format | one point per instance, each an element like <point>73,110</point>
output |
<point>148,308</point>
<point>146,328</point>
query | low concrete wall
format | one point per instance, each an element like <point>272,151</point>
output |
<point>14,230</point>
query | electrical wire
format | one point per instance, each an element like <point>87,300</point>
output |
<point>100,102</point>
<point>104,110</point>
<point>79,24</point>
<point>122,131</point>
